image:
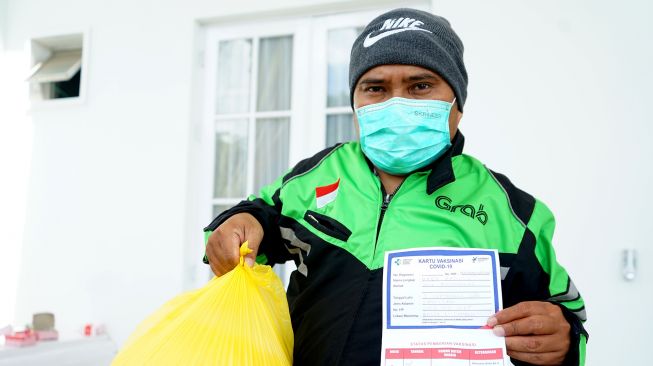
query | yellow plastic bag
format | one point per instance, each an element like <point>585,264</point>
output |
<point>240,318</point>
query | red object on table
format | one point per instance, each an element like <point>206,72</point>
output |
<point>21,339</point>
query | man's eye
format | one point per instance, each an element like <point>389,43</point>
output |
<point>374,89</point>
<point>422,86</point>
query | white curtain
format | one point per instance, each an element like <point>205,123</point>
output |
<point>339,125</point>
<point>233,76</point>
<point>339,42</point>
<point>340,128</point>
<point>272,147</point>
<point>274,74</point>
<point>230,180</point>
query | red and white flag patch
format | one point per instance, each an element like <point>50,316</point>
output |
<point>326,194</point>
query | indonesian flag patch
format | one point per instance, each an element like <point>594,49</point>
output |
<point>326,194</point>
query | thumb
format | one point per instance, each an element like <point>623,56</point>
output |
<point>249,261</point>
<point>254,236</point>
<point>250,258</point>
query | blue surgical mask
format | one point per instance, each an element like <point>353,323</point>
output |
<point>402,135</point>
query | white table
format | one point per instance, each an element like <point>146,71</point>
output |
<point>91,351</point>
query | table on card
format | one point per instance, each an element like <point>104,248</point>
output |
<point>443,356</point>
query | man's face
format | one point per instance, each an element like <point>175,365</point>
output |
<point>388,81</point>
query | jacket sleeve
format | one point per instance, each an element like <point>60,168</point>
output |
<point>561,288</point>
<point>266,208</point>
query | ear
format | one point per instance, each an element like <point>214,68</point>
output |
<point>459,116</point>
<point>454,120</point>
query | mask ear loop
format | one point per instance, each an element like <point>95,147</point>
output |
<point>453,102</point>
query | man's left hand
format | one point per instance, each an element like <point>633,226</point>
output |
<point>536,332</point>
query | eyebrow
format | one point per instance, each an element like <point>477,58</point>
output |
<point>424,76</point>
<point>418,77</point>
<point>371,81</point>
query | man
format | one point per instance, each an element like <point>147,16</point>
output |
<point>406,184</point>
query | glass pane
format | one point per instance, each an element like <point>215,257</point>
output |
<point>272,146</point>
<point>274,74</point>
<point>340,128</point>
<point>233,76</point>
<point>230,159</point>
<point>339,42</point>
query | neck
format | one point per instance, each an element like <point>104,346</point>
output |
<point>390,182</point>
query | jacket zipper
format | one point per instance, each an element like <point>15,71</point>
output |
<point>384,207</point>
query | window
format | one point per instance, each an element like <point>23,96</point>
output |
<point>56,67</point>
<point>59,76</point>
<point>252,115</point>
<point>339,118</point>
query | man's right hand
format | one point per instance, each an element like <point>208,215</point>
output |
<point>223,247</point>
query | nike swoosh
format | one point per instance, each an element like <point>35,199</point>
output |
<point>372,40</point>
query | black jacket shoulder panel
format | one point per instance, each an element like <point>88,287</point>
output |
<point>521,203</point>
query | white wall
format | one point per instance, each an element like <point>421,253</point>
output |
<point>557,100</point>
<point>15,148</point>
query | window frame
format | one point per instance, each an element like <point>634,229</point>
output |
<point>296,28</point>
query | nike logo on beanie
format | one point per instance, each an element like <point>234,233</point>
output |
<point>393,26</point>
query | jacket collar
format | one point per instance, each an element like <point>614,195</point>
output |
<point>441,169</point>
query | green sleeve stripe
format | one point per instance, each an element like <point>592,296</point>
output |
<point>576,306</point>
<point>206,240</point>
<point>573,305</point>
<point>582,345</point>
<point>262,259</point>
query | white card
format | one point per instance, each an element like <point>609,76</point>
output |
<point>436,302</point>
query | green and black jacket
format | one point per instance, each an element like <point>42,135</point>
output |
<point>335,294</point>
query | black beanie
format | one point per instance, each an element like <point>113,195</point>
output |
<point>410,37</point>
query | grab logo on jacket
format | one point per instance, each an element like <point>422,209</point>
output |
<point>444,203</point>
<point>326,194</point>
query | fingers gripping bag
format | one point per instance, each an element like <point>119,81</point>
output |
<point>240,318</point>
